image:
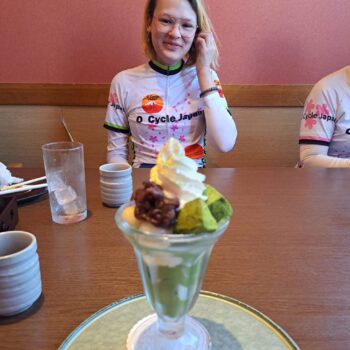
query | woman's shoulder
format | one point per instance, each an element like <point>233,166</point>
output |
<point>330,90</point>
<point>130,73</point>
<point>335,81</point>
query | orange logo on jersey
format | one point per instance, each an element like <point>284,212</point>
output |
<point>217,83</point>
<point>195,151</point>
<point>152,103</point>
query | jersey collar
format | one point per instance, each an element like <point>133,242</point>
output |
<point>166,70</point>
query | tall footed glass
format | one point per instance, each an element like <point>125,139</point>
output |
<point>172,269</point>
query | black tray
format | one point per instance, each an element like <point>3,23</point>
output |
<point>8,213</point>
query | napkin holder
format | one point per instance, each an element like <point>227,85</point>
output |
<point>8,213</point>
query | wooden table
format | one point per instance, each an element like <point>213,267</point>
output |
<point>286,253</point>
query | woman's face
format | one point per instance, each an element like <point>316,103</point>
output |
<point>172,29</point>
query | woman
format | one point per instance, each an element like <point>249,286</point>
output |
<point>325,127</point>
<point>176,94</point>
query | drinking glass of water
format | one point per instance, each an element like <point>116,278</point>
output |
<point>65,174</point>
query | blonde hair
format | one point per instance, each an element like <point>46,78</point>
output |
<point>203,22</point>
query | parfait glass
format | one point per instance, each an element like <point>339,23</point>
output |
<point>172,268</point>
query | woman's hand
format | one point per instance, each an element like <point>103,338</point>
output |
<point>206,50</point>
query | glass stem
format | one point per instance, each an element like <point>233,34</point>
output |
<point>171,328</point>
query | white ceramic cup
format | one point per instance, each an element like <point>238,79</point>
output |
<point>115,183</point>
<point>20,278</point>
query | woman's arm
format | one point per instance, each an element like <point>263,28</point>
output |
<point>221,128</point>
<point>316,156</point>
<point>117,125</point>
<point>117,148</point>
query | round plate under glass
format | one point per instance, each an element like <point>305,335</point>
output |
<point>232,325</point>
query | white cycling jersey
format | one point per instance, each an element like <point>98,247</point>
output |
<point>151,103</point>
<point>326,117</point>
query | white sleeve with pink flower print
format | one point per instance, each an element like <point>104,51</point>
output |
<point>325,126</point>
<point>117,148</point>
<point>221,128</point>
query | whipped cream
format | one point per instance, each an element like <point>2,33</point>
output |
<point>177,174</point>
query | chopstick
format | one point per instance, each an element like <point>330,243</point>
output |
<point>20,184</point>
<point>66,128</point>
<point>22,188</point>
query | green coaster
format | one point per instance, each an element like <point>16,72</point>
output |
<point>231,324</point>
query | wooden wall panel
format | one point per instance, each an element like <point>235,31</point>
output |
<point>95,95</point>
<point>25,128</point>
<point>266,136</point>
<point>267,118</point>
<point>54,94</point>
<point>266,95</point>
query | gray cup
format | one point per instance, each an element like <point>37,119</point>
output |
<point>20,278</point>
<point>115,183</point>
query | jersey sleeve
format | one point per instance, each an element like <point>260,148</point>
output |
<point>220,126</point>
<point>316,156</point>
<point>116,123</point>
<point>319,116</point>
<point>219,97</point>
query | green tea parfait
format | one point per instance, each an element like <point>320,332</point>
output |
<point>173,225</point>
<point>172,267</point>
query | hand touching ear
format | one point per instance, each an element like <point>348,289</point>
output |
<point>206,50</point>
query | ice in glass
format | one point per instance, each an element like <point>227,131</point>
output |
<point>65,173</point>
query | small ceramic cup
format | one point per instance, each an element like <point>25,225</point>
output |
<point>20,278</point>
<point>115,183</point>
